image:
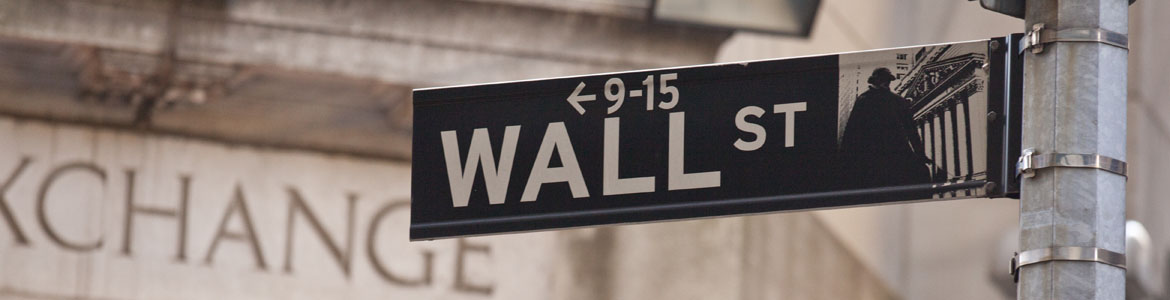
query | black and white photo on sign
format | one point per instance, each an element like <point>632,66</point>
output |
<point>914,115</point>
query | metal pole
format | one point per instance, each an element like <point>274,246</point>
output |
<point>1074,102</point>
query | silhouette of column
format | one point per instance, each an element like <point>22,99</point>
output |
<point>967,127</point>
<point>942,137</point>
<point>952,107</point>
<point>929,119</point>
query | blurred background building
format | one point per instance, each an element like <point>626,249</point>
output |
<point>260,149</point>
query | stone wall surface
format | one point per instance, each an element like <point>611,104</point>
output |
<point>339,74</point>
<point>303,105</point>
<point>1149,135</point>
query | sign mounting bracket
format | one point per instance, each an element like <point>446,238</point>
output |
<point>1029,162</point>
<point>1039,36</point>
<point>1086,254</point>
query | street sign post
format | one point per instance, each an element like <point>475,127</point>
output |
<point>865,128</point>
<point>1072,213</point>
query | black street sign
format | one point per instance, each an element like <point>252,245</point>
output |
<point>895,125</point>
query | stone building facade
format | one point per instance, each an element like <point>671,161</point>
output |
<point>259,149</point>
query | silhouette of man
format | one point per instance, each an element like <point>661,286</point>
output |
<point>880,144</point>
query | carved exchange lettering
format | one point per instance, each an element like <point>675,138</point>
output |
<point>232,224</point>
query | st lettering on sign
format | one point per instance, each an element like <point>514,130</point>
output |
<point>885,126</point>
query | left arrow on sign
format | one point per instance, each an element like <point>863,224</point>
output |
<point>576,98</point>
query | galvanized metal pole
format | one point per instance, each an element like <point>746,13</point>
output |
<point>1074,102</point>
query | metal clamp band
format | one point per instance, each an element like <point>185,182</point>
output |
<point>1030,161</point>
<point>1087,254</point>
<point>1039,36</point>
